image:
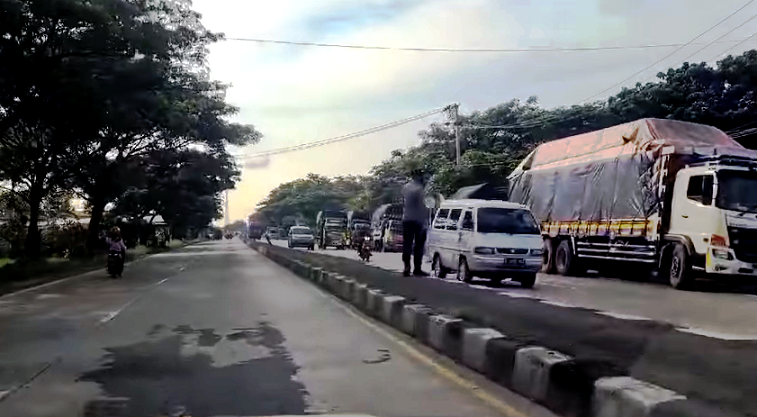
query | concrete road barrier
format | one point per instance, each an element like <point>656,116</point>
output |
<point>359,295</point>
<point>391,310</point>
<point>445,334</point>
<point>570,387</point>
<point>374,302</point>
<point>474,347</point>
<point>531,376</point>
<point>412,322</point>
<point>623,396</point>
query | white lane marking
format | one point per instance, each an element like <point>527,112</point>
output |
<point>623,316</point>
<point>557,303</point>
<point>110,316</point>
<point>519,295</point>
<point>716,335</point>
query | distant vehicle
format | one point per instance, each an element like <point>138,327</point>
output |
<point>330,228</point>
<point>675,196</point>
<point>380,222</point>
<point>488,239</point>
<point>273,232</point>
<point>253,228</point>
<point>301,236</point>
<point>358,227</point>
<point>393,236</point>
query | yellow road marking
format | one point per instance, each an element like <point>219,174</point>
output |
<point>441,370</point>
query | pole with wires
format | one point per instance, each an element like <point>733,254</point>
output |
<point>456,124</point>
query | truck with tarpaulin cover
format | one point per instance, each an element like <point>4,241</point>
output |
<point>253,227</point>
<point>678,197</point>
<point>330,226</point>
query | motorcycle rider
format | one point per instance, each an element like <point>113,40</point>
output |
<point>116,245</point>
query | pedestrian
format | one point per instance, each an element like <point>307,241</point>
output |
<point>414,223</point>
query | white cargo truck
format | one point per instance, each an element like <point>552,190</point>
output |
<point>678,197</point>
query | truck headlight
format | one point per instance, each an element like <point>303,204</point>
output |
<point>484,251</point>
<point>722,254</point>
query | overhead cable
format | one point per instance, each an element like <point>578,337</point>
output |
<point>670,54</point>
<point>466,50</point>
<point>342,138</point>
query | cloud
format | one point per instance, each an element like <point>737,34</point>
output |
<point>301,94</point>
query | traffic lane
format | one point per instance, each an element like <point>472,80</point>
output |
<point>49,321</point>
<point>235,334</point>
<point>690,311</point>
<point>714,370</point>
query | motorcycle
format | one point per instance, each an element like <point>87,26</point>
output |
<point>115,264</point>
<point>364,252</point>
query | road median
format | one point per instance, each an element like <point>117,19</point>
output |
<point>568,359</point>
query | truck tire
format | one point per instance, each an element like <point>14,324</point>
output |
<point>565,261</point>
<point>548,257</point>
<point>679,268</point>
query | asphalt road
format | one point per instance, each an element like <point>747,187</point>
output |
<point>718,311</point>
<point>213,329</point>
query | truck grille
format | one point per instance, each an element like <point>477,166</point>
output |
<point>744,243</point>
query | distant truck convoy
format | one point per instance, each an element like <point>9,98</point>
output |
<point>330,228</point>
<point>677,196</point>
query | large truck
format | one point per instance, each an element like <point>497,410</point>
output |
<point>386,228</point>
<point>358,228</point>
<point>330,227</point>
<point>253,228</point>
<point>677,197</point>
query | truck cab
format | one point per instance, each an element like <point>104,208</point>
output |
<point>713,221</point>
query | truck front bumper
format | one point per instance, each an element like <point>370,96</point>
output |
<point>722,261</point>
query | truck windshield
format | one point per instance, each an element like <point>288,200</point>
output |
<point>504,220</point>
<point>736,191</point>
<point>333,227</point>
<point>361,226</point>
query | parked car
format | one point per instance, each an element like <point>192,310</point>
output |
<point>487,239</point>
<point>301,236</point>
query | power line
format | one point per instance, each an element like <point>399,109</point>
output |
<point>733,47</point>
<point>485,50</point>
<point>672,53</point>
<point>342,138</point>
<point>721,37</point>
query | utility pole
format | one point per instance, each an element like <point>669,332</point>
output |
<point>226,208</point>
<point>456,124</point>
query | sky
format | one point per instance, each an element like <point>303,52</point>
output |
<point>299,94</point>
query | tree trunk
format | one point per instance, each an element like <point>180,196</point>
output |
<point>93,233</point>
<point>33,240</point>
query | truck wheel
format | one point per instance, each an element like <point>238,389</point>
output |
<point>437,269</point>
<point>548,257</point>
<point>679,268</point>
<point>565,262</point>
<point>463,273</point>
<point>528,281</point>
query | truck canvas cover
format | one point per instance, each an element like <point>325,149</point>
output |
<point>611,173</point>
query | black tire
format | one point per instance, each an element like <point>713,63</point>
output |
<point>565,262</point>
<point>548,257</point>
<point>437,269</point>
<point>463,273</point>
<point>528,281</point>
<point>680,276</point>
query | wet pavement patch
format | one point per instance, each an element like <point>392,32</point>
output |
<point>207,337</point>
<point>157,378</point>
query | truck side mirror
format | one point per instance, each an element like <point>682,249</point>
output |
<point>707,190</point>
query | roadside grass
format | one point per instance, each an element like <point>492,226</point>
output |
<point>16,275</point>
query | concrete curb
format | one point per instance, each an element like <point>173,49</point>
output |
<point>567,386</point>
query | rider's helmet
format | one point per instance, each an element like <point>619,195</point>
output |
<point>115,231</point>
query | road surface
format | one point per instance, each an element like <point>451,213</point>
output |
<point>215,329</point>
<point>717,311</point>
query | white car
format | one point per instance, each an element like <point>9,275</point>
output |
<point>301,236</point>
<point>488,239</point>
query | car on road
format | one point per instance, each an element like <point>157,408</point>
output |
<point>487,239</point>
<point>301,236</point>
